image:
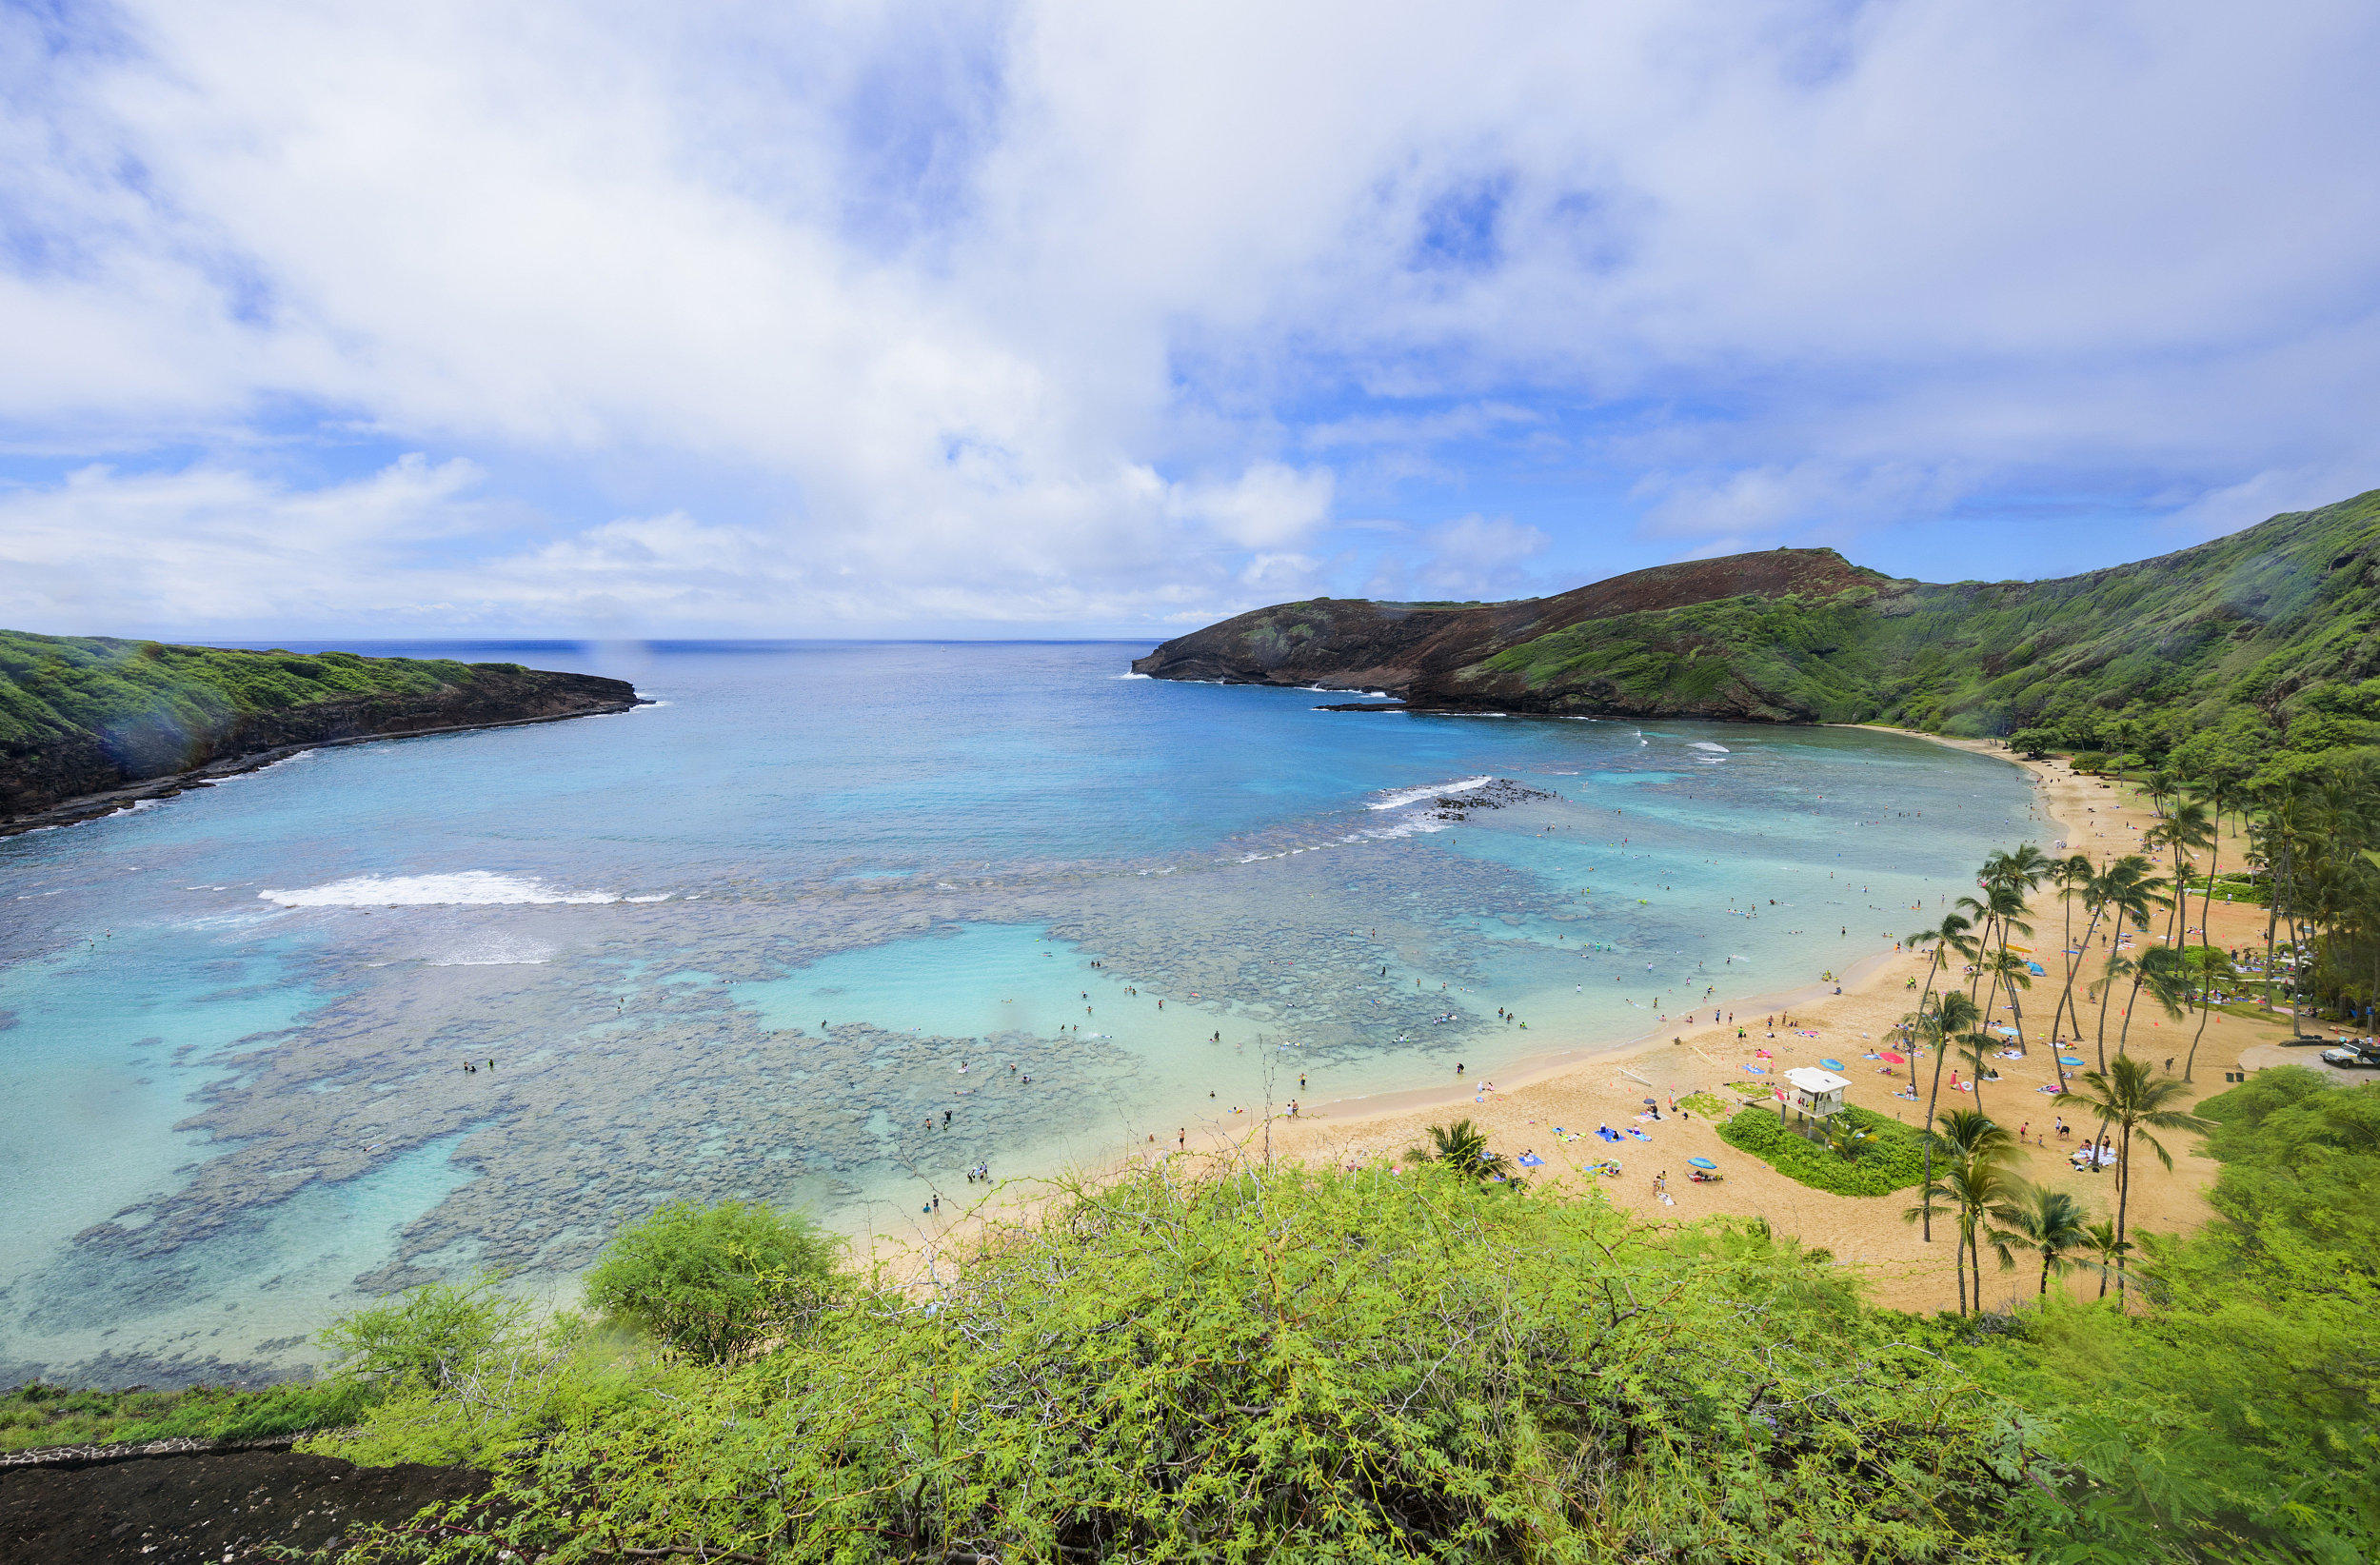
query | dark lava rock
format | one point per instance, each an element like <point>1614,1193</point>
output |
<point>206,1506</point>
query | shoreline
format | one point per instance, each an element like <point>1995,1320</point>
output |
<point>98,807</point>
<point>1541,1069</point>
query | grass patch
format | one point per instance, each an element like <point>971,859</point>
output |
<point>37,1414</point>
<point>1892,1158</point>
<point>1706,1105</point>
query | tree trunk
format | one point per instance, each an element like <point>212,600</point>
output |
<point>2104,998</point>
<point>1941,1051</point>
<point>2073,970</point>
<point>2123,1195</point>
<point>2206,944</point>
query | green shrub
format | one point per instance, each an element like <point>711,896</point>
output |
<point>1289,1365</point>
<point>1892,1155</point>
<point>2089,761</point>
<point>427,1337</point>
<point>715,1281</point>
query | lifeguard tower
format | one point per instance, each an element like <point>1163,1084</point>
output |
<point>1815,1094</point>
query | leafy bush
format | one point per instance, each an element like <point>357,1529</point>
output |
<point>2089,761</point>
<point>461,1373</point>
<point>1892,1156</point>
<point>1289,1366</point>
<point>427,1337</point>
<point>715,1281</point>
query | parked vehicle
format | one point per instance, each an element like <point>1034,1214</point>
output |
<point>2354,1055</point>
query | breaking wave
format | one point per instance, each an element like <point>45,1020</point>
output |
<point>464,888</point>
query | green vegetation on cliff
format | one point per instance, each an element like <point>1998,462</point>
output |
<point>87,715</point>
<point>56,687</point>
<point>2266,636</point>
<point>2257,646</point>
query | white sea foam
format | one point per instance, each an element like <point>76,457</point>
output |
<point>1706,745</point>
<point>1129,675</point>
<point>657,897</point>
<point>464,888</point>
<point>1412,796</point>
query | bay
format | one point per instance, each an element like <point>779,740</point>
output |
<point>759,938</point>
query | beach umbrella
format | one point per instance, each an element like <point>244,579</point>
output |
<point>1701,1162</point>
<point>2068,1059</point>
<point>1832,1064</point>
<point>1896,1058</point>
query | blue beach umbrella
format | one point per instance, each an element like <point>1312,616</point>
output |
<point>1832,1064</point>
<point>1701,1162</point>
<point>2067,1059</point>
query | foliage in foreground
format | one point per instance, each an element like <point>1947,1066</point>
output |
<point>2239,1417</point>
<point>1295,1365</point>
<point>1889,1154</point>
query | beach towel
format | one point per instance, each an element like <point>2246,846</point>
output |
<point>1529,1159</point>
<point>1640,1135</point>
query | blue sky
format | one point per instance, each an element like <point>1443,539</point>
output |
<point>982,319</point>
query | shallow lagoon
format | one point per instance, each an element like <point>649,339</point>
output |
<point>741,942</point>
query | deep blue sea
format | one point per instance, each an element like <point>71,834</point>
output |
<point>761,937</point>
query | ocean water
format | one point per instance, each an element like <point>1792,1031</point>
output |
<point>759,938</point>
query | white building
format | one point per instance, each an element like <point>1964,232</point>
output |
<point>1817,1094</point>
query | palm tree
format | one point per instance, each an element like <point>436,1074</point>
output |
<point>2052,1223</point>
<point>1975,1183</point>
<point>1948,936</point>
<point>1463,1146</point>
<point>2107,1249</point>
<point>2123,888</point>
<point>2071,875</point>
<point>2012,970</point>
<point>2215,789</point>
<point>1952,1014</point>
<point>1976,1049</point>
<point>2185,829</point>
<point>2164,970</point>
<point>2136,1101</point>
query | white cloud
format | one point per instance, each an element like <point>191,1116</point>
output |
<point>1031,313</point>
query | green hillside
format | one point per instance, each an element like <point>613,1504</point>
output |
<point>56,687</point>
<point>2255,646</point>
<point>2267,635</point>
<point>87,715</point>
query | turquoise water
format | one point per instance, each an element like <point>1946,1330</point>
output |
<point>758,937</point>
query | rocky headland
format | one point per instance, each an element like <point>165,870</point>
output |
<point>2257,623</point>
<point>89,725</point>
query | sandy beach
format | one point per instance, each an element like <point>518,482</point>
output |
<point>1576,1086</point>
<point>1521,1109</point>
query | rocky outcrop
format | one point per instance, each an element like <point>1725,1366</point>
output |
<point>1438,654</point>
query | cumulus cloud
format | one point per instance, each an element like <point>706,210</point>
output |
<point>826,317</point>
